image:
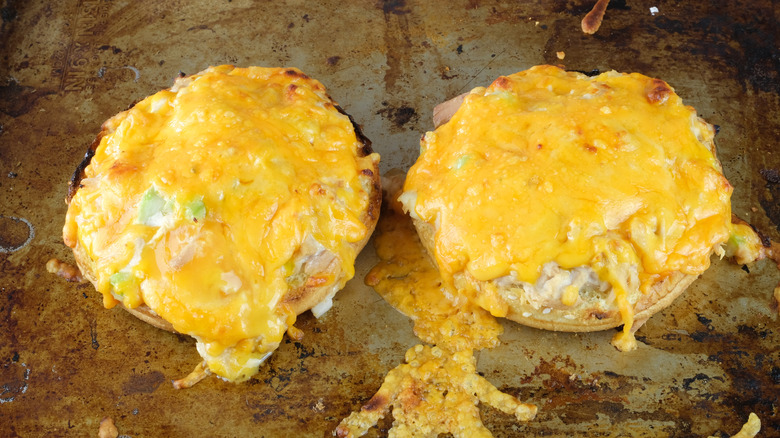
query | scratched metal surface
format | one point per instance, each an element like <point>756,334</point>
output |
<point>65,67</point>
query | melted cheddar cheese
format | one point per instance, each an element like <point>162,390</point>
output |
<point>199,199</point>
<point>611,172</point>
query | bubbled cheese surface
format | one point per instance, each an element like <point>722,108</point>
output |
<point>198,198</point>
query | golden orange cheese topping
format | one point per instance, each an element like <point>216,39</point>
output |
<point>611,172</point>
<point>199,198</point>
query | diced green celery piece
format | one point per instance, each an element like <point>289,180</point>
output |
<point>736,239</point>
<point>196,210</point>
<point>461,161</point>
<point>151,204</point>
<point>119,281</point>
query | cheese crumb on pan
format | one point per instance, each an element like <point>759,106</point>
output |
<point>107,428</point>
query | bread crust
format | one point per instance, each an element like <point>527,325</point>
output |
<point>298,299</point>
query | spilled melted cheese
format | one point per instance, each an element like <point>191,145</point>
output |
<point>407,279</point>
<point>437,389</point>
<point>611,172</point>
<point>199,198</point>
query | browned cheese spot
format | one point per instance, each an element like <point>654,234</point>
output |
<point>502,83</point>
<point>658,92</point>
<point>289,91</point>
<point>377,403</point>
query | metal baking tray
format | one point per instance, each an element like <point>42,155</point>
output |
<point>702,366</point>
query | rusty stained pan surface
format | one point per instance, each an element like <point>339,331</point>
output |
<point>65,362</point>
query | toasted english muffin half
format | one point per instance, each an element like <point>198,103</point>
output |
<point>567,202</point>
<point>225,206</point>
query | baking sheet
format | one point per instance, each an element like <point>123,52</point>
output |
<point>65,67</point>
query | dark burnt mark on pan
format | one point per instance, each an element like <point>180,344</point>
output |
<point>769,198</point>
<point>446,75</point>
<point>8,14</point>
<point>772,176</point>
<point>114,49</point>
<point>775,375</point>
<point>751,332</point>
<point>396,7</point>
<point>704,321</point>
<point>561,374</point>
<point>400,116</point>
<point>17,100</point>
<point>333,60</point>
<point>9,300</point>
<point>727,41</point>
<point>564,385</point>
<point>688,384</point>
<point>201,27</point>
<point>708,337</point>
<point>143,383</point>
<point>753,388</point>
<point>304,352</point>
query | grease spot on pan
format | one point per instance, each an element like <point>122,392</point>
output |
<point>143,383</point>
<point>15,233</point>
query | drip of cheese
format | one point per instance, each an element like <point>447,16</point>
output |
<point>199,197</point>
<point>437,390</point>
<point>407,279</point>
<point>550,166</point>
